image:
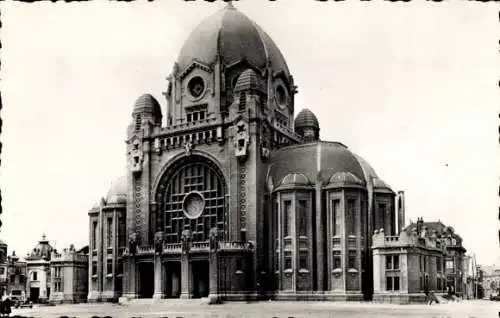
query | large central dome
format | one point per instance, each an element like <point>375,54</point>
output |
<point>234,37</point>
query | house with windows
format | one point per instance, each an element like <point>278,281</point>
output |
<point>56,277</point>
<point>38,272</point>
<point>455,259</point>
<point>4,277</point>
<point>69,272</point>
<point>422,254</point>
<point>16,275</point>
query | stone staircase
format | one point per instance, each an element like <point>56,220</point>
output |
<point>168,301</point>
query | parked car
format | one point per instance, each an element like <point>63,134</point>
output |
<point>19,302</point>
<point>26,304</point>
<point>16,301</point>
<point>495,296</point>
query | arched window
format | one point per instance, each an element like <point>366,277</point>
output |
<point>191,196</point>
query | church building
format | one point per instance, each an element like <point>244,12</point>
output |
<point>230,195</point>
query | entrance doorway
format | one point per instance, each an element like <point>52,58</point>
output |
<point>200,276</point>
<point>146,280</point>
<point>173,280</point>
<point>34,294</point>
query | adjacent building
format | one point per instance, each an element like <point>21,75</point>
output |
<point>17,276</point>
<point>56,277</point>
<point>423,254</point>
<point>38,272</point>
<point>490,280</point>
<point>69,272</point>
<point>235,196</point>
<point>4,276</point>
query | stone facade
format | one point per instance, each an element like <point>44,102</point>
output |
<point>69,272</point>
<point>4,275</point>
<point>490,280</point>
<point>234,198</point>
<point>405,263</point>
<point>55,277</point>
<point>17,277</point>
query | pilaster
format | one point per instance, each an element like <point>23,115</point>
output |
<point>186,286</point>
<point>158,277</point>
<point>213,276</point>
<point>131,278</point>
<point>320,253</point>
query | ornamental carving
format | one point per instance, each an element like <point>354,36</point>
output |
<point>159,239</point>
<point>241,140</point>
<point>137,204</point>
<point>214,238</point>
<point>136,156</point>
<point>186,241</point>
<point>243,196</point>
<point>132,243</point>
<point>188,148</point>
<point>157,146</point>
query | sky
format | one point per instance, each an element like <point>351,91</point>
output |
<point>411,87</point>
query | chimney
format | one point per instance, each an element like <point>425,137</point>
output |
<point>401,210</point>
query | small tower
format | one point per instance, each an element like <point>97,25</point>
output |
<point>248,96</point>
<point>146,111</point>
<point>307,126</point>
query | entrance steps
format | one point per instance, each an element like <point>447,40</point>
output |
<point>440,299</point>
<point>164,301</point>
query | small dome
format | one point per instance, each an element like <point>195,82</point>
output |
<point>248,80</point>
<point>147,104</point>
<point>294,181</point>
<point>344,179</point>
<point>306,119</point>
<point>117,194</point>
<point>42,249</point>
<point>380,186</point>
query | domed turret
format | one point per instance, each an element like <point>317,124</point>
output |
<point>147,106</point>
<point>306,125</point>
<point>43,249</point>
<point>248,80</point>
<point>117,194</point>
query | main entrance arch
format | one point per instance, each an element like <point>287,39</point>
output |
<point>191,194</point>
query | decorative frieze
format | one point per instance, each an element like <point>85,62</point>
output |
<point>136,156</point>
<point>137,206</point>
<point>242,196</point>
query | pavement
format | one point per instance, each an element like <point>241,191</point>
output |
<point>275,309</point>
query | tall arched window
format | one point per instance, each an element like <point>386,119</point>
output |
<point>191,195</point>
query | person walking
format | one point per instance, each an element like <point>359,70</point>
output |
<point>426,292</point>
<point>429,295</point>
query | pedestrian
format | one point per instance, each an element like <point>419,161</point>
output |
<point>426,292</point>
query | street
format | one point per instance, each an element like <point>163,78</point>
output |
<point>194,308</point>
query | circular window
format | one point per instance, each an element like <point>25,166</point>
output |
<point>196,86</point>
<point>193,205</point>
<point>281,95</point>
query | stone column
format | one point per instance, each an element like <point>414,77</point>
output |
<point>158,283</point>
<point>213,278</point>
<point>186,290</point>
<point>130,277</point>
<point>320,253</point>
